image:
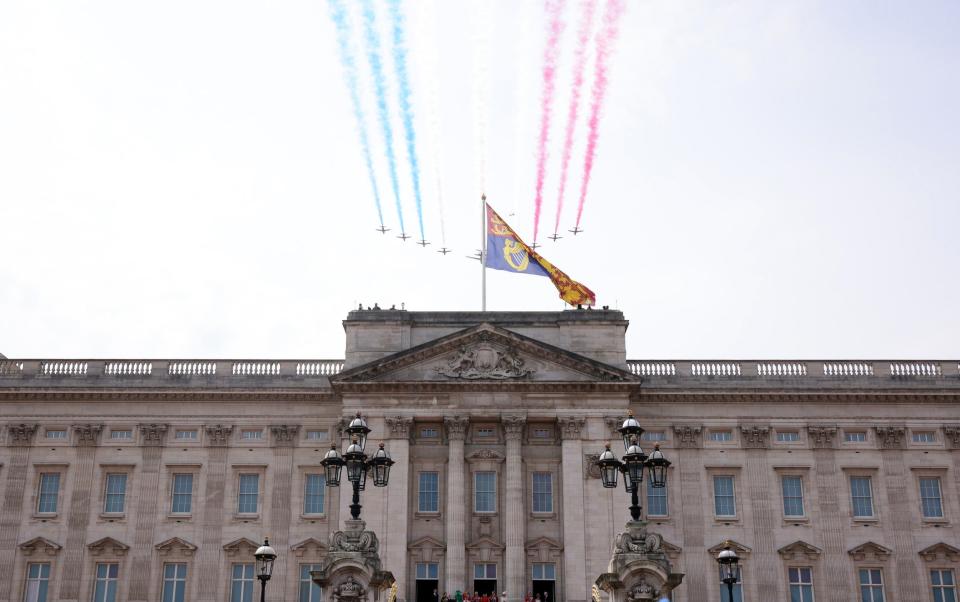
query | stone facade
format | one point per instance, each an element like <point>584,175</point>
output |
<point>494,421</point>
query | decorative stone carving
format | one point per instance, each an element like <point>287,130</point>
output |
<point>822,437</point>
<point>570,426</point>
<point>940,552</point>
<point>737,547</point>
<point>241,548</point>
<point>87,434</point>
<point>755,437</point>
<point>153,434</point>
<point>673,551</point>
<point>400,426</point>
<point>891,437</point>
<point>640,570</point>
<point>544,549</point>
<point>21,434</point>
<point>613,423</point>
<point>952,433</point>
<point>590,468</point>
<point>456,427</point>
<point>39,544</point>
<point>342,425</point>
<point>513,426</point>
<point>486,454</point>
<point>309,547</point>
<point>176,547</point>
<point>800,550</point>
<point>687,436</point>
<point>642,591</point>
<point>484,362</point>
<point>349,591</point>
<point>870,551</point>
<point>351,566</point>
<point>108,546</point>
<point>218,435</point>
<point>285,435</point>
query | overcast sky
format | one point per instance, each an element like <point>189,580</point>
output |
<point>773,179</point>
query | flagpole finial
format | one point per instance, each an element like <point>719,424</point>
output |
<point>483,196</point>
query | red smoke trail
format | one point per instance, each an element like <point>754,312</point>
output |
<point>580,60</point>
<point>605,39</point>
<point>554,9</point>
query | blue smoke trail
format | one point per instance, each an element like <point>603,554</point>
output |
<point>380,89</point>
<point>339,15</point>
<point>406,114</point>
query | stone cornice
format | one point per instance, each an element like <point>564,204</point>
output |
<point>488,386</point>
<point>178,394</point>
<point>648,395</point>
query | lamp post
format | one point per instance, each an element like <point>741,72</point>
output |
<point>357,463</point>
<point>633,464</point>
<point>729,569</point>
<point>265,555</point>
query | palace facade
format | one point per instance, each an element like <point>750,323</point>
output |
<point>156,479</point>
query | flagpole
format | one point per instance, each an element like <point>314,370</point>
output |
<point>483,252</point>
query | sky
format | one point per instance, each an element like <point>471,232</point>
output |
<point>772,179</point>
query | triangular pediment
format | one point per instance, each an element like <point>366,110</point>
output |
<point>940,552</point>
<point>176,546</point>
<point>308,546</point>
<point>239,547</point>
<point>427,542</point>
<point>484,543</point>
<point>41,545</point>
<point>799,550</point>
<point>107,546</point>
<point>870,551</point>
<point>484,354</point>
<point>737,547</point>
<point>673,551</point>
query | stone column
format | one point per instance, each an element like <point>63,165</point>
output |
<point>78,518</point>
<point>765,572</point>
<point>456,558</point>
<point>515,519</point>
<point>829,482</point>
<point>19,437</point>
<point>212,516</point>
<point>910,582</point>
<point>574,577</point>
<point>281,511</point>
<point>697,564</point>
<point>397,501</point>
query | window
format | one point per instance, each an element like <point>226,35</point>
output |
<point>721,436</point>
<point>49,492</point>
<point>116,492</point>
<point>485,432</point>
<point>484,571</point>
<point>542,432</point>
<point>248,493</point>
<point>182,493</point>
<point>485,492</point>
<point>654,436</point>
<point>861,495</point>
<point>924,437</point>
<point>542,492</point>
<point>105,587</point>
<point>241,583</point>
<point>314,487</point>
<point>656,500</point>
<point>801,584</point>
<point>309,591</point>
<point>944,585</point>
<point>930,502</point>
<point>788,436</point>
<point>429,492</point>
<point>428,570</point>
<point>174,582</point>
<point>185,435</point>
<point>792,487</point>
<point>56,434</point>
<point>871,585</point>
<point>251,435</point>
<point>737,590</point>
<point>316,435</point>
<point>429,432</point>
<point>724,503</point>
<point>38,581</point>
<point>544,571</point>
<point>121,435</point>
<point>855,436</point>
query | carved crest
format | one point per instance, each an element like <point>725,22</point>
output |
<point>354,541</point>
<point>349,590</point>
<point>590,468</point>
<point>484,361</point>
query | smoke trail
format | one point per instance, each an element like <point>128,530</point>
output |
<point>580,60</point>
<point>427,30</point>
<point>339,15</point>
<point>605,40</point>
<point>380,89</point>
<point>406,113</point>
<point>554,9</point>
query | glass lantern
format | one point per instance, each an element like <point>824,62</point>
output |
<point>332,465</point>
<point>265,555</point>
<point>609,466</point>
<point>657,467</point>
<point>381,463</point>
<point>630,430</point>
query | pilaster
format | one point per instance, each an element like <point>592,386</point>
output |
<point>78,517</point>
<point>20,436</point>
<point>211,510</point>
<point>574,536</point>
<point>514,513</point>
<point>141,561</point>
<point>455,570</point>
<point>397,499</point>
<point>910,584</point>
<point>830,525</point>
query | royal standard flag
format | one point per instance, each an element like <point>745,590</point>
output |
<point>505,251</point>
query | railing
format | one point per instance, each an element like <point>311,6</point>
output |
<point>795,370</point>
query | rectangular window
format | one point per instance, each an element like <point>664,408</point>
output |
<point>801,584</point>
<point>542,433</point>
<point>930,501</point>
<point>427,571</point>
<point>871,585</point>
<point>316,435</point>
<point>38,581</point>
<point>654,436</point>
<point>49,492</point>
<point>429,432</point>
<point>944,585</point>
<point>485,432</point>
<point>190,435</point>
<point>924,437</point>
<point>251,435</point>
<point>721,436</point>
<point>248,493</point>
<point>724,502</point>
<point>861,494</point>
<point>737,590</point>
<point>429,492</point>
<point>788,436</point>
<point>792,487</point>
<point>56,434</point>
<point>542,492</point>
<point>309,591</point>
<point>182,493</point>
<point>241,583</point>
<point>116,493</point>
<point>544,571</point>
<point>656,500</point>
<point>121,435</point>
<point>105,587</point>
<point>174,581</point>
<point>314,488</point>
<point>485,492</point>
<point>855,436</point>
<point>484,571</point>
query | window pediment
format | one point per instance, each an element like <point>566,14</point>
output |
<point>870,551</point>
<point>739,548</point>
<point>107,546</point>
<point>241,547</point>
<point>308,547</point>
<point>800,550</point>
<point>940,551</point>
<point>673,551</point>
<point>40,544</point>
<point>176,547</point>
<point>543,549</point>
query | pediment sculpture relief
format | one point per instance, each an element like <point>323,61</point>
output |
<point>642,592</point>
<point>484,362</point>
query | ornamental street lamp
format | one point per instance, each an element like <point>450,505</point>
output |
<point>729,569</point>
<point>265,555</point>
<point>633,464</point>
<point>357,464</point>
